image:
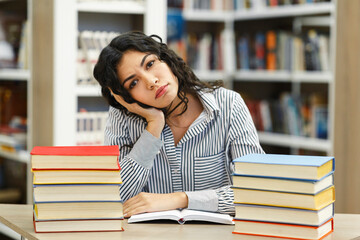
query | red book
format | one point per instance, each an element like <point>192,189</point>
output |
<point>75,158</point>
<point>282,230</point>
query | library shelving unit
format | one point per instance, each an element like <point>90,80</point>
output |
<point>19,159</point>
<point>312,15</point>
<point>21,76</point>
<point>63,97</point>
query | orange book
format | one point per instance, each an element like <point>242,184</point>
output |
<point>281,230</point>
<point>271,50</point>
<point>75,157</point>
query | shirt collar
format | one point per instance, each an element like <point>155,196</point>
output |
<point>210,105</point>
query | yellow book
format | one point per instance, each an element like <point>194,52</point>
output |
<point>78,210</point>
<point>76,177</point>
<point>284,199</point>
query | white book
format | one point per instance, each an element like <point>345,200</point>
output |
<point>182,216</point>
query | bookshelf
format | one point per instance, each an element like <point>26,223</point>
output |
<point>15,164</point>
<point>19,79</point>
<point>292,18</point>
<point>63,96</point>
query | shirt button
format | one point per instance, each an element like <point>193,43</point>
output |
<point>176,171</point>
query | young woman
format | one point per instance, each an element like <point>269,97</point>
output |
<point>177,135</point>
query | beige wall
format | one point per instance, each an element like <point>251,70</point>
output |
<point>347,107</point>
<point>42,73</point>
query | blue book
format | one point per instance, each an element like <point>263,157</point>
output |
<point>285,166</point>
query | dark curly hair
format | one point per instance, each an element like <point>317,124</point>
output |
<point>105,71</point>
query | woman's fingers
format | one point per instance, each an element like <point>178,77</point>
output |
<point>153,202</point>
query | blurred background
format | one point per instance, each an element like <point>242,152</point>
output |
<point>296,63</point>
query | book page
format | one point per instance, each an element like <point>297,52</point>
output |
<point>165,215</point>
<point>193,215</point>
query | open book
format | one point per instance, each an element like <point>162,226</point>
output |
<point>182,216</point>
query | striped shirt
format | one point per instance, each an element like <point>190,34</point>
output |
<point>199,165</point>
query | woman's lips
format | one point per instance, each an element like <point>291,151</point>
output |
<point>161,91</point>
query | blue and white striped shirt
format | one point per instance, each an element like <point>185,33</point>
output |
<point>199,165</point>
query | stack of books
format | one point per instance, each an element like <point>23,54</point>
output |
<point>286,196</point>
<point>76,189</point>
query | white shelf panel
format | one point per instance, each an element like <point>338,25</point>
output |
<point>323,21</point>
<point>314,77</point>
<point>15,74</point>
<point>22,156</point>
<point>295,141</point>
<point>122,7</point>
<point>88,91</point>
<point>285,11</point>
<point>263,75</point>
<point>212,75</point>
<point>208,15</point>
<point>284,76</point>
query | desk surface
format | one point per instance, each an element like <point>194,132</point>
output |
<point>19,218</point>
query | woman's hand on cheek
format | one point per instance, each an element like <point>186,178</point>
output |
<point>153,202</point>
<point>154,117</point>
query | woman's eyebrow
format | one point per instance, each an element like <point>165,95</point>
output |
<point>141,64</point>
<point>127,79</point>
<point>144,58</point>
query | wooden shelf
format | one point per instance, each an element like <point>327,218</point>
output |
<point>285,140</point>
<point>125,7</point>
<point>15,74</point>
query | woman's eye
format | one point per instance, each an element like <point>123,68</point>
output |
<point>133,84</point>
<point>149,64</point>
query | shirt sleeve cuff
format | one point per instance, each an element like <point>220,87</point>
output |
<point>145,149</point>
<point>206,200</point>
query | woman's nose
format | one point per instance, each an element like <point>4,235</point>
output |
<point>151,82</point>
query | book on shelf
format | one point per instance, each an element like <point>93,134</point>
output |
<point>282,184</point>
<point>13,101</point>
<point>90,127</point>
<point>182,216</point>
<point>285,166</point>
<point>76,192</point>
<point>205,51</point>
<point>283,50</point>
<point>285,199</point>
<point>293,115</point>
<point>283,230</point>
<point>78,225</point>
<point>90,44</point>
<point>262,213</point>
<point>271,46</point>
<point>78,210</point>
<point>75,157</point>
<point>76,176</point>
